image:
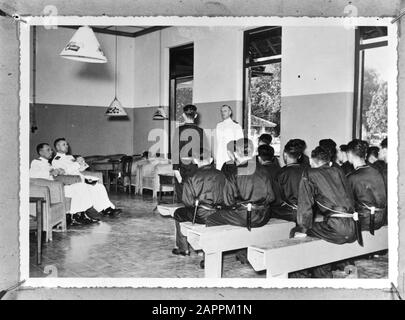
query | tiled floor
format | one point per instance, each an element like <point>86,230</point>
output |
<point>138,244</point>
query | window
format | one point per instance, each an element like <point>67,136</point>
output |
<point>371,94</point>
<point>181,83</point>
<point>262,83</point>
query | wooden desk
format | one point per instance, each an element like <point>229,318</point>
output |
<point>39,201</point>
<point>106,166</point>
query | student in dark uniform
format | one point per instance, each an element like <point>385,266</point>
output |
<point>381,163</point>
<point>324,189</point>
<point>304,159</point>
<point>266,159</point>
<point>265,140</point>
<point>287,182</point>
<point>186,138</point>
<point>206,185</point>
<point>368,188</point>
<point>346,166</point>
<point>250,184</point>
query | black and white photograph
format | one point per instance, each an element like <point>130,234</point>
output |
<point>208,152</point>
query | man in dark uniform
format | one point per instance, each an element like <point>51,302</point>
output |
<point>304,160</point>
<point>250,185</point>
<point>206,186</point>
<point>368,188</point>
<point>266,159</point>
<point>265,140</point>
<point>325,189</point>
<point>187,138</point>
<point>287,182</point>
<point>346,166</point>
<point>381,165</point>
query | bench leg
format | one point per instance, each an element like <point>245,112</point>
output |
<point>277,276</point>
<point>213,265</point>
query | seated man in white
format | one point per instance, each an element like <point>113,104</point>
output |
<point>97,192</point>
<point>78,192</point>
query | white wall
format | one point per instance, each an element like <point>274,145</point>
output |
<point>317,84</point>
<point>68,82</point>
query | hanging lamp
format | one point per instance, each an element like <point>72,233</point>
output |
<point>84,47</point>
<point>115,109</point>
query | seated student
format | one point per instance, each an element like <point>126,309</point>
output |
<point>346,166</point>
<point>249,184</point>
<point>372,154</point>
<point>324,189</point>
<point>97,192</point>
<point>266,139</point>
<point>381,163</point>
<point>265,157</point>
<point>288,179</point>
<point>368,188</point>
<point>206,186</point>
<point>78,192</point>
<point>304,160</point>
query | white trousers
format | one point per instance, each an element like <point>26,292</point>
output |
<point>84,196</point>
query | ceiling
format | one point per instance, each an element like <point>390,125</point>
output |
<point>125,31</point>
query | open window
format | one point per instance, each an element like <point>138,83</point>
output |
<point>181,83</point>
<point>371,78</point>
<point>262,83</point>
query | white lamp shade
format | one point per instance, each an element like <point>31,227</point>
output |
<point>116,109</point>
<point>84,47</point>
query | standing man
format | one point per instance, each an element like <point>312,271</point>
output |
<point>188,139</point>
<point>226,131</point>
<point>71,166</point>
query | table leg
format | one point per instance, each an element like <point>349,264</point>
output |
<point>107,180</point>
<point>39,210</point>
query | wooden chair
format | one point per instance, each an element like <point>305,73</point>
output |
<point>126,172</point>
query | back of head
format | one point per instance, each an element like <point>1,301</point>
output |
<point>244,147</point>
<point>266,152</point>
<point>294,148</point>
<point>343,147</point>
<point>190,111</point>
<point>321,154</point>
<point>373,151</point>
<point>358,148</point>
<point>330,145</point>
<point>265,138</point>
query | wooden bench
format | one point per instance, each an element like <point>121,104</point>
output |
<point>282,257</point>
<point>218,239</point>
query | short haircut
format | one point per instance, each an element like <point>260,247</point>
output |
<point>244,146</point>
<point>358,147</point>
<point>202,154</point>
<point>384,143</point>
<point>41,146</point>
<point>330,145</point>
<point>229,107</point>
<point>266,138</point>
<point>295,148</point>
<point>373,151</point>
<point>57,141</point>
<point>266,152</point>
<point>343,147</point>
<point>321,154</point>
<point>190,111</point>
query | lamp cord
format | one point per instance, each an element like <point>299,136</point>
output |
<point>116,58</point>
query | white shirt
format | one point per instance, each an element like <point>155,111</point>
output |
<point>226,131</point>
<point>67,163</point>
<point>40,168</point>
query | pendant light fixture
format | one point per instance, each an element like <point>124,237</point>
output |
<point>160,113</point>
<point>84,47</point>
<point>115,109</point>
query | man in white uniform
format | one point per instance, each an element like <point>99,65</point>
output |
<point>97,192</point>
<point>226,131</point>
<point>78,192</point>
